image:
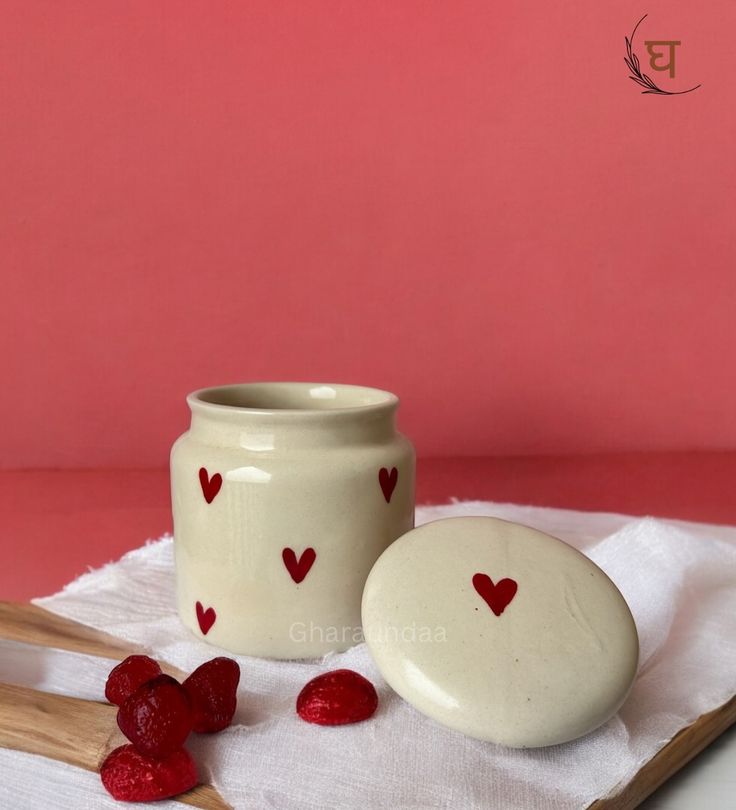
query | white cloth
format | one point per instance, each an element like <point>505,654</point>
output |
<point>679,579</point>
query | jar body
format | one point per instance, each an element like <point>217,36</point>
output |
<point>278,519</point>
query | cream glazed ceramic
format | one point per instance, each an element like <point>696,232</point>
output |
<point>500,631</point>
<point>284,495</point>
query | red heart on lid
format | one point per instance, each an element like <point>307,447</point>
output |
<point>298,569</point>
<point>497,596</point>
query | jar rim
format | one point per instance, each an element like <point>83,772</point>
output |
<point>292,399</point>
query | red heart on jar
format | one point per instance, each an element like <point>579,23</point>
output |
<point>210,486</point>
<point>298,568</point>
<point>206,618</point>
<point>388,481</point>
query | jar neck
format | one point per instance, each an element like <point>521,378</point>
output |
<point>264,429</point>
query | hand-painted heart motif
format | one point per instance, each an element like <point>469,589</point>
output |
<point>206,618</point>
<point>210,486</point>
<point>388,480</point>
<point>298,569</point>
<point>497,596</point>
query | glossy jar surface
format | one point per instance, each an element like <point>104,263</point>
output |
<point>283,496</point>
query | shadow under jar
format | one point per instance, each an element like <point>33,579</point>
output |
<point>284,495</point>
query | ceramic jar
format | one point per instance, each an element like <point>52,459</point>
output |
<point>284,495</point>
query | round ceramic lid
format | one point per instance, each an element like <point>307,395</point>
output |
<point>500,631</point>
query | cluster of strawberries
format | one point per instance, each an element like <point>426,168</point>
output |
<point>157,714</point>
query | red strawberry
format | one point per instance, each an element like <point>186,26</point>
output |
<point>212,690</point>
<point>129,776</point>
<point>128,675</point>
<point>157,717</point>
<point>337,697</point>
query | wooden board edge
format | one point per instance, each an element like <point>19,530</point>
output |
<point>32,624</point>
<point>684,746</point>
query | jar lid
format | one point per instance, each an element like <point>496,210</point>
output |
<point>500,631</point>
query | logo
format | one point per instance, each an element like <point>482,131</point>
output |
<point>662,53</point>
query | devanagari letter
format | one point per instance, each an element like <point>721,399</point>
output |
<point>655,55</point>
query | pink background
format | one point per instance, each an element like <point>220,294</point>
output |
<point>467,203</point>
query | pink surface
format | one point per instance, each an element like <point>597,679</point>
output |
<point>467,203</point>
<point>56,524</point>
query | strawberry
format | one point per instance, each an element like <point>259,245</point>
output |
<point>128,675</point>
<point>130,776</point>
<point>212,690</point>
<point>336,698</point>
<point>157,717</point>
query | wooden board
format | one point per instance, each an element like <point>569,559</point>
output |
<point>685,745</point>
<point>79,732</point>
<point>34,625</point>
